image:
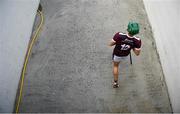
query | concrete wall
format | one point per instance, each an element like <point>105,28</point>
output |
<point>16,22</point>
<point>164,16</point>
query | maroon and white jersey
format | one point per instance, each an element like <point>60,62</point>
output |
<point>125,43</point>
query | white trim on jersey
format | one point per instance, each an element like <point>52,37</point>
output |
<point>122,33</point>
<point>137,48</point>
<point>137,38</point>
<point>113,40</point>
<point>129,36</point>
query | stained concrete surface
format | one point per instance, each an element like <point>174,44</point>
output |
<point>70,69</point>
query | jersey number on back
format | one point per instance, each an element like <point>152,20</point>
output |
<point>125,47</point>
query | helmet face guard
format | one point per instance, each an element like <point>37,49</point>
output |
<point>133,28</point>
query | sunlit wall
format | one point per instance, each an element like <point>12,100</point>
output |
<point>16,22</point>
<point>164,16</point>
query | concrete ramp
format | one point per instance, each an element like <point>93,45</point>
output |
<point>70,69</point>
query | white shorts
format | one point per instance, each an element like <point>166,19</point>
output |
<point>119,59</point>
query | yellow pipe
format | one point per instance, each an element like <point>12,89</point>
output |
<point>34,38</point>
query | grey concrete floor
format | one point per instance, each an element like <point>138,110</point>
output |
<point>70,69</point>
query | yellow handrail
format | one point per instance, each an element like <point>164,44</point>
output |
<point>34,38</point>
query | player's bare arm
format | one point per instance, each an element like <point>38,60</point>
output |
<point>137,51</point>
<point>112,43</point>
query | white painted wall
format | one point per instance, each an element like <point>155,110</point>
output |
<point>16,22</point>
<point>164,16</point>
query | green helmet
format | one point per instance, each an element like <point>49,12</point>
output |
<point>133,28</point>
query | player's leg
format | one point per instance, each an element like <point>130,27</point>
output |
<point>116,61</point>
<point>115,70</point>
<point>115,73</point>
